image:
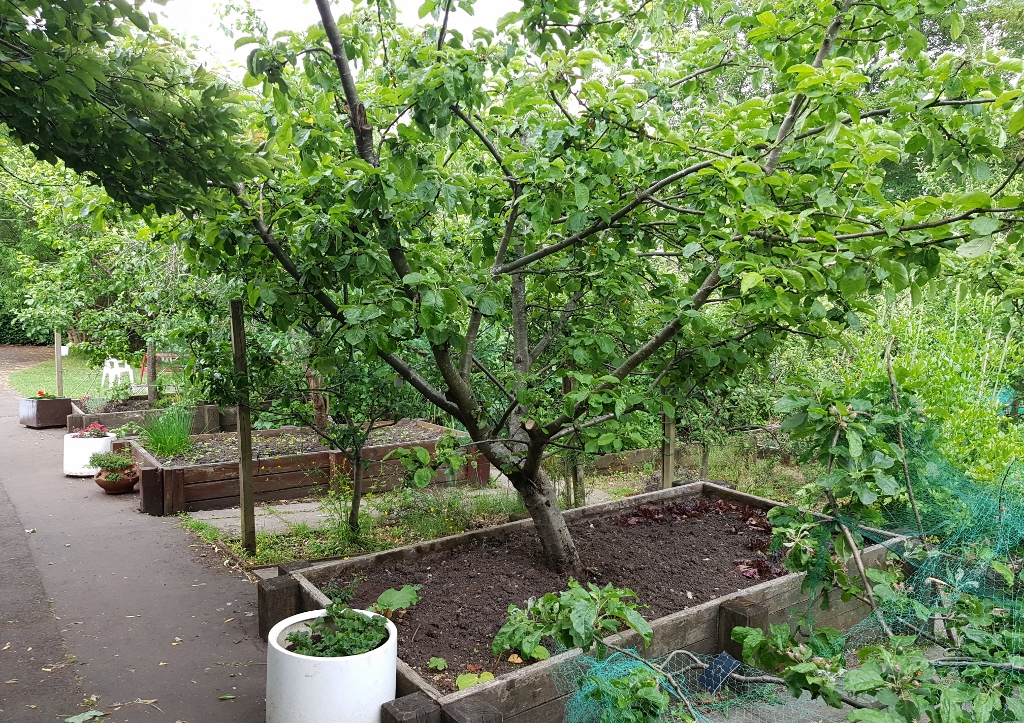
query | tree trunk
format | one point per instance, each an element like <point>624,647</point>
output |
<point>705,455</point>
<point>579,489</point>
<point>541,502</point>
<point>321,408</point>
<point>357,491</point>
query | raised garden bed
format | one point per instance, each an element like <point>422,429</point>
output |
<point>470,579</point>
<point>288,463</point>
<point>207,419</point>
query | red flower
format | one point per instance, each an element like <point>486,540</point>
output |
<point>41,393</point>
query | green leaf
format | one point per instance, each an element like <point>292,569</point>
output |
<point>487,306</point>
<point>860,680</point>
<point>582,194</point>
<point>749,280</point>
<point>974,199</point>
<point>87,716</point>
<point>1005,571</point>
<point>975,248</point>
<point>985,225</point>
<point>956,25</point>
<point>468,680</point>
<point>245,40</point>
<point>1017,121</point>
<point>437,664</point>
<point>402,599</point>
<point>422,477</point>
<point>869,715</point>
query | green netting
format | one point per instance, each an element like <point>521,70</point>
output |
<point>741,699</point>
<point>970,541</point>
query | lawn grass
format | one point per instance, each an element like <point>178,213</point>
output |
<point>79,379</point>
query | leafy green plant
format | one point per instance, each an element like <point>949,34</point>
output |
<point>634,698</point>
<point>438,664</point>
<point>114,477</point>
<point>391,601</point>
<point>115,461</point>
<point>339,593</point>
<point>169,434</point>
<point>579,617</point>
<point>128,429</point>
<point>417,462</point>
<point>468,680</point>
<point>340,632</point>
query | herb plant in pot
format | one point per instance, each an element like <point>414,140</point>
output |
<point>336,665</point>
<point>80,446</point>
<point>117,472</point>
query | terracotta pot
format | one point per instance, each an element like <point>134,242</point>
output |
<point>129,478</point>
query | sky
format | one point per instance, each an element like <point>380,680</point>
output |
<point>199,21</point>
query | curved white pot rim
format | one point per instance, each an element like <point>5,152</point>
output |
<point>275,633</point>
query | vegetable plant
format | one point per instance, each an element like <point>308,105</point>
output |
<point>168,434</point>
<point>634,698</point>
<point>438,664</point>
<point>391,601</point>
<point>468,680</point>
<point>579,617</point>
<point>340,632</point>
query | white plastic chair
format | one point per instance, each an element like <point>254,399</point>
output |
<point>113,370</point>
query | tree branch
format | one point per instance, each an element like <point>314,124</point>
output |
<point>797,103</point>
<point>395,362</point>
<point>640,199</point>
<point>356,110</point>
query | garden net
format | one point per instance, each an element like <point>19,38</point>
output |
<point>974,542</point>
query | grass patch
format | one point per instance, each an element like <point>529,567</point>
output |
<point>388,520</point>
<point>79,379</point>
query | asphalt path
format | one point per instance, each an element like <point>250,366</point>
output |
<point>104,608</point>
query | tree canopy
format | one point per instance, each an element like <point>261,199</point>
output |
<point>641,197</point>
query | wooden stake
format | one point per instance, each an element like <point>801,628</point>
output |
<point>668,451</point>
<point>244,428</point>
<point>151,373</point>
<point>58,363</point>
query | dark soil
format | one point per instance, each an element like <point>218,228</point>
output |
<point>225,448</point>
<point>673,556</point>
<point>98,406</point>
<point>403,431</point>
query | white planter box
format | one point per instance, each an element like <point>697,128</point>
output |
<point>79,450</point>
<point>304,689</point>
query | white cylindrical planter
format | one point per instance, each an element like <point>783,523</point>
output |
<point>78,451</point>
<point>304,689</point>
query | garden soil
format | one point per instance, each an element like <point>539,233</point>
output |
<point>672,556</point>
<point>100,600</point>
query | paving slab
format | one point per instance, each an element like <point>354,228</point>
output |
<point>145,612</point>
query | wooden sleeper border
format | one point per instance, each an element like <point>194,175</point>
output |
<point>529,695</point>
<point>168,490</point>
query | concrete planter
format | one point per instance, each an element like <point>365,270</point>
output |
<point>79,450</point>
<point>304,689</point>
<point>39,413</point>
<point>529,695</point>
